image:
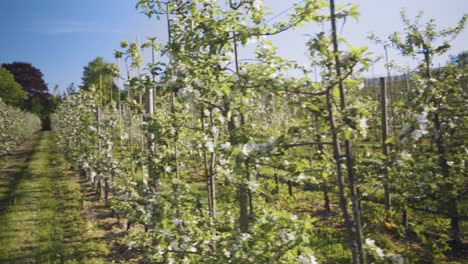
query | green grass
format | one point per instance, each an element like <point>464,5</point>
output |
<point>41,217</point>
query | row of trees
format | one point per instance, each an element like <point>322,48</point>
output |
<point>16,126</point>
<point>198,152</point>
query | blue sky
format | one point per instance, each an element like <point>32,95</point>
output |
<point>61,37</point>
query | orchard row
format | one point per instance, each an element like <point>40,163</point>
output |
<point>203,155</point>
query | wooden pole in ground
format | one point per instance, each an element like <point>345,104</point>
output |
<point>384,122</point>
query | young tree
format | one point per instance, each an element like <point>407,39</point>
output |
<point>436,111</point>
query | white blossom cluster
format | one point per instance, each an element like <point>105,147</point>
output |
<point>16,126</point>
<point>370,245</point>
<point>416,130</point>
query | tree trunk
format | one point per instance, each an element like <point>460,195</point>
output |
<point>277,184</point>
<point>243,203</point>
<point>340,180</point>
<point>326,199</point>
<point>359,251</point>
<point>452,204</point>
<point>106,190</point>
<point>290,188</point>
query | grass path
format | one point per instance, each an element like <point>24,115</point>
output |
<point>41,210</point>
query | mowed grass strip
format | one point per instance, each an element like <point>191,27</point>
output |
<point>42,221</point>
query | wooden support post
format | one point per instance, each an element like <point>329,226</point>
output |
<point>384,122</point>
<point>149,104</point>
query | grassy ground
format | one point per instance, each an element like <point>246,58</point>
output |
<point>42,217</point>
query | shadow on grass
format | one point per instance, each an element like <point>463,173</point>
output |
<point>48,214</point>
<point>12,181</point>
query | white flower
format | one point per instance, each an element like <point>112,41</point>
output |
<point>173,246</point>
<point>197,82</point>
<point>247,148</point>
<point>226,145</point>
<point>92,175</point>
<point>169,82</point>
<point>363,125</point>
<point>131,244</point>
<point>418,133</point>
<point>307,260</point>
<point>301,177</point>
<point>214,130</point>
<point>291,236</point>
<point>271,140</point>
<point>192,249</point>
<point>210,146</point>
<point>177,221</point>
<point>450,163</point>
<point>168,168</point>
<point>293,217</point>
<point>185,92</point>
<point>422,118</point>
<point>257,4</point>
<point>313,260</point>
<point>370,242</point>
<point>302,259</point>
<point>229,55</point>
<point>399,259</point>
<point>282,234</point>
<point>405,155</point>
<point>252,40</point>
<point>379,252</point>
<point>245,236</point>
<point>253,186</point>
<point>221,119</point>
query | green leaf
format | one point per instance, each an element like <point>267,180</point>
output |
<point>336,92</point>
<point>313,107</point>
<point>347,133</point>
<point>390,140</point>
<point>324,174</point>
